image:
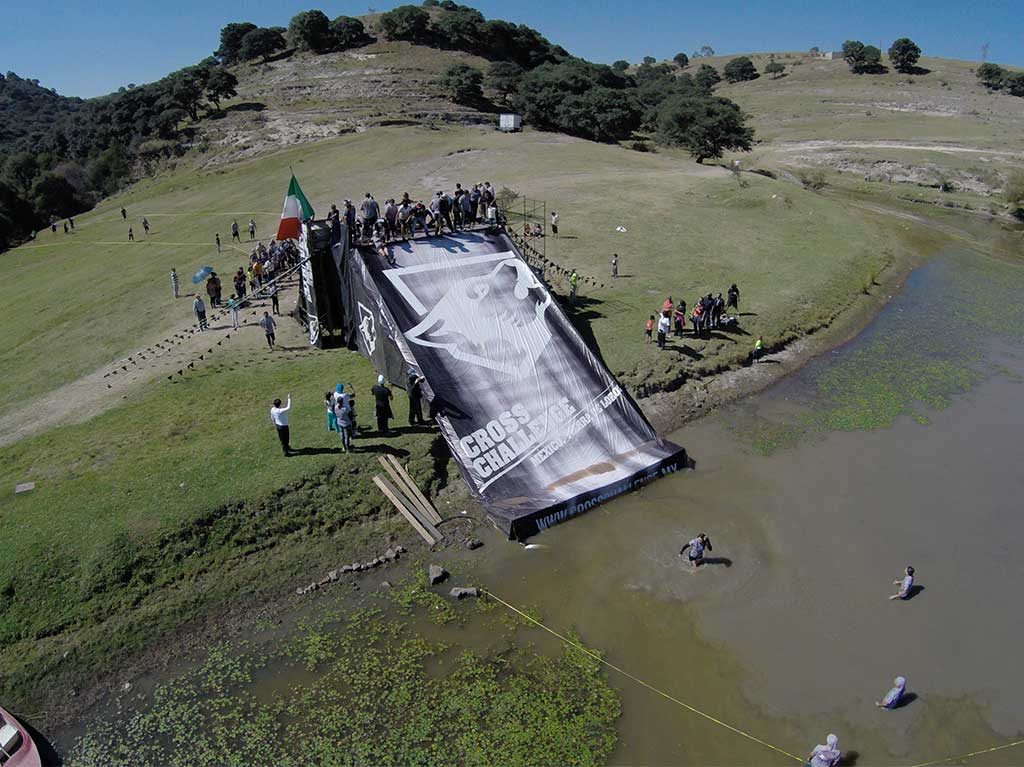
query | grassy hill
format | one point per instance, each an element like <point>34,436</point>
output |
<point>160,501</point>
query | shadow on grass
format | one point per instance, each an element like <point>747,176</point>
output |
<point>380,447</point>
<point>905,700</point>
<point>914,591</point>
<point>919,71</point>
<point>247,106</point>
<point>686,351</point>
<point>580,314</point>
<point>725,561</point>
<point>849,758</point>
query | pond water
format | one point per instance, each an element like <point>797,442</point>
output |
<point>902,447</point>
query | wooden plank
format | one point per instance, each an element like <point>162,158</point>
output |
<point>401,482</point>
<point>432,514</point>
<point>393,496</point>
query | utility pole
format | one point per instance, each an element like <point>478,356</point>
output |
<point>984,52</point>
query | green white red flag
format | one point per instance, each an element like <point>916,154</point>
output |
<point>296,210</point>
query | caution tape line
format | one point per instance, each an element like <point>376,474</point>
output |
<point>709,717</point>
<point>649,686</point>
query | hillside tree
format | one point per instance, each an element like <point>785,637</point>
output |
<point>862,58</point>
<point>187,90</point>
<point>462,82</point>
<point>406,22</point>
<point>703,52</point>
<point>503,78</point>
<point>348,32</point>
<point>650,61</point>
<point>1014,83</point>
<point>991,76</point>
<point>1013,193</point>
<point>707,77</point>
<point>261,43</point>
<point>682,60</point>
<point>220,84</point>
<point>621,65</point>
<point>21,168</point>
<point>704,126</point>
<point>231,36</point>
<point>740,69</point>
<point>311,31</point>
<point>903,54</point>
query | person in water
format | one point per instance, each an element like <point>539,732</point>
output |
<point>827,755</point>
<point>906,585</point>
<point>696,547</point>
<point>895,695</point>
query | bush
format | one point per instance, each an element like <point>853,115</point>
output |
<point>621,65</point>
<point>862,59</point>
<point>740,70</point>
<point>812,178</point>
<point>775,69</point>
<point>231,36</point>
<point>707,77</point>
<point>991,76</point>
<point>1013,193</point>
<point>503,78</point>
<point>682,60</point>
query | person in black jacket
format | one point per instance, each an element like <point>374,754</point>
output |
<point>382,404</point>
<point>415,398</point>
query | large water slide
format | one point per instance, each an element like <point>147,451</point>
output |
<point>539,427</point>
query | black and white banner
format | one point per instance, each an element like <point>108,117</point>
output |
<point>539,427</point>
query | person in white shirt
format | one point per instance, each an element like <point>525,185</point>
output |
<point>696,550</point>
<point>554,223</point>
<point>279,416</point>
<point>906,585</point>
<point>664,325</point>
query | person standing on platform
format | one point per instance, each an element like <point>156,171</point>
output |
<point>200,309</point>
<point>279,417</point>
<point>382,404</point>
<point>268,325</point>
<point>174,283</point>
<point>415,398</point>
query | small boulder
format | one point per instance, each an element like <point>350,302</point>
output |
<point>346,568</point>
<point>474,543</point>
<point>385,584</point>
<point>355,567</point>
<point>399,549</point>
<point>299,591</point>
<point>332,576</point>
<point>436,574</point>
<point>390,555</point>
<point>463,593</point>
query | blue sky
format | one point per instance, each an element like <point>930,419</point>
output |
<point>90,48</point>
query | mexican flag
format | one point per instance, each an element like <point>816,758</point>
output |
<point>296,210</point>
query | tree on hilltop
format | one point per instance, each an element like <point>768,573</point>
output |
<point>463,84</point>
<point>310,31</point>
<point>503,77</point>
<point>620,66</point>
<point>461,29</point>
<point>682,60</point>
<point>231,36</point>
<point>348,32</point>
<point>740,70</point>
<point>704,126</point>
<point>703,52</point>
<point>650,61</point>
<point>903,54</point>
<point>406,22</point>
<point>862,58</point>
<point>261,43</point>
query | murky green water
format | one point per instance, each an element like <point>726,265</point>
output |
<point>902,447</point>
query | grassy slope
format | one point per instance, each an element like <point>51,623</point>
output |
<point>105,554</point>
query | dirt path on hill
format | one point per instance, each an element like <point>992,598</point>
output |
<point>172,353</point>
<point>820,145</point>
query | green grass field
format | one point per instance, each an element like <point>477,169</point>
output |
<point>171,500</point>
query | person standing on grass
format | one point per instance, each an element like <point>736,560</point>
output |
<point>131,234</point>
<point>382,404</point>
<point>66,230</point>
<point>71,221</point>
<point>664,324</point>
<point>252,229</point>
<point>145,225</point>
<point>174,283</point>
<point>906,584</point>
<point>240,283</point>
<point>696,550</point>
<point>695,317</point>
<point>679,318</point>
<point>275,306</point>
<point>124,214</point>
<point>415,398</point>
<point>344,416</point>
<point>200,309</point>
<point>216,238</point>
<point>474,201</point>
<point>758,349</point>
<point>218,288</point>
<point>717,309</point>
<point>733,301</point>
<point>615,265</point>
<point>211,291</point>
<point>554,224</point>
<point>268,325</point>
<point>649,329</point>
<point>233,303</point>
<point>574,285</point>
<point>279,417</point>
<point>234,232</point>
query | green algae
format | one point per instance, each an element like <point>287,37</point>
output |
<point>373,691</point>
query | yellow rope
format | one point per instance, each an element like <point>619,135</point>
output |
<point>972,754</point>
<point>641,682</point>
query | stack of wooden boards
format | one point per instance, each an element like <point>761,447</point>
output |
<point>409,499</point>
